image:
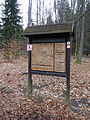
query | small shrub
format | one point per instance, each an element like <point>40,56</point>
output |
<point>11,50</point>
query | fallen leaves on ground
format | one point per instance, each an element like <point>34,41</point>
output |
<point>47,101</point>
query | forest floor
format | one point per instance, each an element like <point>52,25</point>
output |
<point>47,101</point>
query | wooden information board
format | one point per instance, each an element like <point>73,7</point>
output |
<point>49,57</point>
<point>49,52</point>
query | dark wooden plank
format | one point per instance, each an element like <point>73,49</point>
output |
<point>49,73</point>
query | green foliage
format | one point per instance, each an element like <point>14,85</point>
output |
<point>11,20</point>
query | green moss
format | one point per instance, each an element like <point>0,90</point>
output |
<point>77,58</point>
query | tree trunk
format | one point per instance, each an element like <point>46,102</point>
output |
<point>43,14</point>
<point>37,12</point>
<point>29,13</point>
<point>82,33</point>
<point>40,12</point>
<point>55,11</point>
<point>77,37</point>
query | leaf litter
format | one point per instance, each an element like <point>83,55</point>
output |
<point>48,96</point>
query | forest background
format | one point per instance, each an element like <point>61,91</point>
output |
<point>47,100</point>
<point>57,11</point>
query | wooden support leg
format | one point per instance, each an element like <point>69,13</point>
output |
<point>68,70</point>
<point>29,84</point>
<point>68,90</point>
<point>29,71</point>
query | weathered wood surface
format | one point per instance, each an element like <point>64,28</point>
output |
<point>49,57</point>
<point>42,57</point>
<point>42,68</point>
<point>60,57</point>
<point>45,29</point>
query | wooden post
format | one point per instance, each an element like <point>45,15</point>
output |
<point>68,69</point>
<point>29,70</point>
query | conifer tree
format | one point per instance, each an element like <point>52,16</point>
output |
<point>11,19</point>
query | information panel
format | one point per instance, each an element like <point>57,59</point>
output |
<point>49,57</point>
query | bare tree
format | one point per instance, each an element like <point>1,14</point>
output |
<point>30,13</point>
<point>73,7</point>
<point>43,12</point>
<point>63,10</point>
<point>55,8</point>
<point>37,12</point>
<point>82,32</point>
<point>40,12</point>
